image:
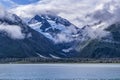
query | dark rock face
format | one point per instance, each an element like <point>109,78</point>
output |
<point>90,48</point>
<point>36,44</point>
<point>29,46</point>
<point>57,19</point>
<point>44,22</point>
<point>54,26</point>
<point>103,48</point>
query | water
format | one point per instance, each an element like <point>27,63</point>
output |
<point>59,71</point>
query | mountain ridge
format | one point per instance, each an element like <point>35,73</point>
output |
<point>66,41</point>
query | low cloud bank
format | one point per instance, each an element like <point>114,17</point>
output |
<point>79,12</point>
<point>74,11</point>
<point>12,31</point>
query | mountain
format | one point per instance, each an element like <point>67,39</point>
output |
<point>54,27</point>
<point>64,34</point>
<point>18,40</point>
<point>51,36</point>
<point>107,47</point>
<point>75,42</point>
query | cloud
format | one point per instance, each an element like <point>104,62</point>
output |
<point>74,11</point>
<point>79,12</point>
<point>103,16</point>
<point>96,33</point>
<point>12,31</point>
<point>61,37</point>
<point>5,14</point>
<point>108,12</point>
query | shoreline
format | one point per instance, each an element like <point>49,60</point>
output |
<point>59,61</point>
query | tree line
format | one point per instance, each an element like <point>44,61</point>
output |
<point>62,60</point>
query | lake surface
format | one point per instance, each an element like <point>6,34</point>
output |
<point>59,71</point>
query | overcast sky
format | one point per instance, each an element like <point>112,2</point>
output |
<point>79,12</point>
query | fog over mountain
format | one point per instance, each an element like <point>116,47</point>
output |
<point>13,31</point>
<point>74,11</point>
<point>69,28</point>
<point>79,12</point>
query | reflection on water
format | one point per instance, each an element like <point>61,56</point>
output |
<point>59,71</point>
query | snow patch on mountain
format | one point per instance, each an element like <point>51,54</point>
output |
<point>41,56</point>
<point>67,50</point>
<point>55,28</point>
<point>81,12</point>
<point>36,25</point>
<point>55,57</point>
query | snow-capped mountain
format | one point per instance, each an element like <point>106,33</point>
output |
<point>54,27</point>
<point>49,36</point>
<point>101,47</point>
<point>18,40</point>
<point>63,33</point>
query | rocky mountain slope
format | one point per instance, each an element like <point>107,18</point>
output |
<point>50,36</point>
<point>107,47</point>
<point>18,40</point>
<point>54,27</point>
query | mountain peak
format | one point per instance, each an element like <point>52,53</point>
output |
<point>32,45</point>
<point>53,27</point>
<point>37,17</point>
